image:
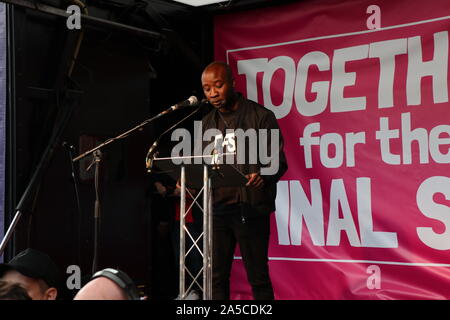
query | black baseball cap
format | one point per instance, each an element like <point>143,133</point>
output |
<point>34,264</point>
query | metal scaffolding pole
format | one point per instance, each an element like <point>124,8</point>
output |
<point>85,19</point>
<point>212,173</point>
<point>206,235</point>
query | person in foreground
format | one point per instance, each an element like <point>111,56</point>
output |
<point>241,215</point>
<point>109,284</point>
<point>34,271</point>
<point>12,291</point>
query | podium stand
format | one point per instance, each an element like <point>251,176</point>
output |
<point>202,174</point>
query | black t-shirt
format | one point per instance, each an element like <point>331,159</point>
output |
<point>226,199</point>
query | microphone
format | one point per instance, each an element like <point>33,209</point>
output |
<point>152,151</point>
<point>150,155</point>
<point>191,102</point>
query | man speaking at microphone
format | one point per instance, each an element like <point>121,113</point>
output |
<point>241,215</point>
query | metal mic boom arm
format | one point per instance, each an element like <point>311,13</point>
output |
<point>193,100</point>
<point>152,150</point>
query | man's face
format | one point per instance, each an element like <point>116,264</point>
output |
<point>34,287</point>
<point>217,87</point>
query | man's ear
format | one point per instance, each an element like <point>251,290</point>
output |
<point>51,294</point>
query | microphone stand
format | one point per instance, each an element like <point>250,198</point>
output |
<point>120,136</point>
<point>63,117</point>
<point>70,150</point>
<point>97,160</point>
<point>152,151</point>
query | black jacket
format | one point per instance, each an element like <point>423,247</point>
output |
<point>253,115</point>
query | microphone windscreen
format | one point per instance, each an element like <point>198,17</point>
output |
<point>193,100</point>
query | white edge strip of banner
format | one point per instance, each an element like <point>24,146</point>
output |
<point>337,35</point>
<point>411,264</point>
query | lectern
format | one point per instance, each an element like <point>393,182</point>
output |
<point>202,173</point>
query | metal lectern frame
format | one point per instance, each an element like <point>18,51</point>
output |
<point>206,234</point>
<point>215,164</point>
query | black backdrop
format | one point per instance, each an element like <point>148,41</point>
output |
<point>124,79</point>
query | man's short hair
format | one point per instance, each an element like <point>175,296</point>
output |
<point>226,66</point>
<point>12,291</point>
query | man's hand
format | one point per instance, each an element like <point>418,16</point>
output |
<point>177,191</point>
<point>160,188</point>
<point>254,181</point>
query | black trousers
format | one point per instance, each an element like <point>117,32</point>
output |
<point>253,239</point>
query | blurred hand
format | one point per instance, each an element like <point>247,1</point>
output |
<point>160,189</point>
<point>177,191</point>
<point>254,181</point>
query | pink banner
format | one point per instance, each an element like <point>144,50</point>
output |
<point>361,96</point>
